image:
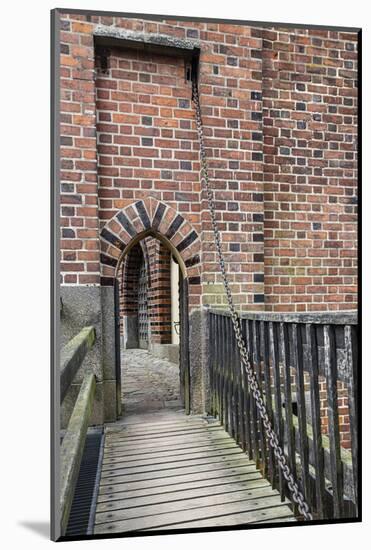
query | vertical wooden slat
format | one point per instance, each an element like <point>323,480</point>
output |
<point>241,399</point>
<point>227,362</point>
<point>227,344</point>
<point>264,344</point>
<point>211,362</point>
<point>298,364</point>
<point>214,343</point>
<point>228,371</point>
<point>213,346</point>
<point>253,411</point>
<point>260,381</point>
<point>210,409</point>
<point>259,424</point>
<point>318,452</point>
<point>350,339</point>
<point>277,413</point>
<point>234,385</point>
<point>333,420</point>
<point>284,351</point>
<point>221,370</point>
<point>225,373</point>
<point>247,395</point>
<point>238,393</point>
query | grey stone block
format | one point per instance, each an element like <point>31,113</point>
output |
<point>198,364</point>
<point>145,38</point>
<point>96,418</point>
<point>166,351</point>
<point>110,401</point>
<point>130,332</point>
<point>81,308</point>
<point>92,306</point>
<point>108,333</point>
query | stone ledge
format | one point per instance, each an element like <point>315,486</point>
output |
<point>143,39</point>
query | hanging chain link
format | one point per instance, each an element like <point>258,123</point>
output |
<point>297,496</point>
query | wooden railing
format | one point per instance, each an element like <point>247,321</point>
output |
<point>73,442</point>
<point>306,366</point>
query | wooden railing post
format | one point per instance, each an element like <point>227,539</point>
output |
<point>351,362</point>
<point>333,424</point>
<point>318,455</point>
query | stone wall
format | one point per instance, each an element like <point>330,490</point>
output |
<point>91,306</point>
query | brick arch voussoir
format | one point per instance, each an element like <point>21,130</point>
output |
<point>152,216</point>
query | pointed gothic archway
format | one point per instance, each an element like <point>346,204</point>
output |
<point>150,217</point>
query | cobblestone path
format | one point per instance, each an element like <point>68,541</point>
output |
<point>148,383</point>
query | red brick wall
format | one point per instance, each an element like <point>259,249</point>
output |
<point>157,259</point>
<point>159,292</point>
<point>136,171</point>
<point>310,178</point>
<point>279,114</point>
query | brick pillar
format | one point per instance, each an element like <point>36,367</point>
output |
<point>159,292</point>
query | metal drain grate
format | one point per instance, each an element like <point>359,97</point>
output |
<point>81,521</point>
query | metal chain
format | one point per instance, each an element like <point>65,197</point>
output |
<point>297,496</point>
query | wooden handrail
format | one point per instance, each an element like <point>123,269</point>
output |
<point>317,318</point>
<point>72,355</point>
<point>73,446</point>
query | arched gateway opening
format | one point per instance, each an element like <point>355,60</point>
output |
<point>150,254</point>
<point>150,281</point>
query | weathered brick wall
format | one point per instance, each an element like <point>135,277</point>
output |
<point>157,260</point>
<point>135,116</point>
<point>79,180</point>
<point>310,178</point>
<point>159,292</point>
<point>279,114</point>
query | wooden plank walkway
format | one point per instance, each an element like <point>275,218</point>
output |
<point>171,471</point>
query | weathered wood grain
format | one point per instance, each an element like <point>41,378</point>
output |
<point>333,416</point>
<point>244,497</point>
<point>318,454</point>
<point>254,487</point>
<point>350,339</point>
<point>182,457</point>
<point>194,476</point>
<point>297,362</point>
<point>166,487</point>
<point>212,511</point>
<point>278,514</point>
